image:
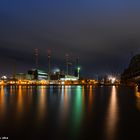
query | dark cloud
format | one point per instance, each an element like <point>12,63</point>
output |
<point>102,34</point>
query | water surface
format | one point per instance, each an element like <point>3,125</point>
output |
<point>69,112</point>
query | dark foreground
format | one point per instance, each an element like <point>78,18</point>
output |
<point>69,113</point>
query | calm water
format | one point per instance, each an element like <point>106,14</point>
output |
<point>69,113</point>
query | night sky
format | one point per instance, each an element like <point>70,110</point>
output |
<point>104,34</point>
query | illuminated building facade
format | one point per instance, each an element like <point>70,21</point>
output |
<point>38,74</point>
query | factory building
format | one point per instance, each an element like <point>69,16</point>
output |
<point>37,74</point>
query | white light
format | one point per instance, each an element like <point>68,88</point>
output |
<point>63,82</point>
<point>4,77</point>
<point>112,79</point>
<point>56,70</point>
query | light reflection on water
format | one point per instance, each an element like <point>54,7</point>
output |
<point>20,103</point>
<point>2,103</point>
<point>64,105</point>
<point>112,115</point>
<point>42,103</point>
<point>77,106</point>
<point>137,94</point>
<point>73,111</point>
<point>90,99</point>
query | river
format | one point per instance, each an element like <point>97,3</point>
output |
<point>69,113</point>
